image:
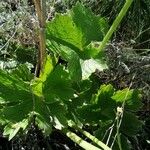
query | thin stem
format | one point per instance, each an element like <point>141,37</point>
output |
<point>120,116</point>
<point>141,33</point>
<point>115,24</point>
<point>110,133</point>
<point>8,41</point>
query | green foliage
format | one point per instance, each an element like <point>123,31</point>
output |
<point>57,86</point>
<point>131,124</point>
<point>132,26</point>
<point>131,98</point>
<point>71,57</point>
<point>23,72</point>
<point>102,112</point>
<point>76,29</point>
<point>12,88</point>
<point>69,93</point>
<point>73,36</point>
<point>22,100</point>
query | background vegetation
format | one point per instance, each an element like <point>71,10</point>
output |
<point>127,54</point>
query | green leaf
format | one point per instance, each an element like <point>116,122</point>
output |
<point>82,86</point>
<point>89,114</point>
<point>77,29</point>
<point>130,124</point>
<point>3,120</point>
<point>103,96</point>
<point>37,84</point>
<point>104,101</point>
<point>58,86</point>
<point>23,73</point>
<point>12,129</point>
<point>19,101</point>
<point>73,64</point>
<point>64,31</point>
<point>88,23</point>
<point>18,112</point>
<point>92,50</point>
<point>122,142</point>
<point>93,108</point>
<point>71,57</point>
<point>37,87</point>
<point>89,66</point>
<point>85,89</point>
<point>131,97</point>
<point>9,130</point>
<point>73,36</point>
<point>86,104</point>
<point>58,113</point>
<point>48,67</point>
<point>42,124</point>
<point>102,131</point>
<point>12,89</point>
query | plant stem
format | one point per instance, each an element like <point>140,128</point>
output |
<point>115,24</point>
<point>40,6</point>
<point>119,141</point>
<point>85,145</point>
<point>94,139</point>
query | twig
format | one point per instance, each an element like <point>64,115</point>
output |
<point>143,42</point>
<point>120,114</point>
<point>141,33</point>
<point>10,37</point>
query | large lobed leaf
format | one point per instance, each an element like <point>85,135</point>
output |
<point>44,98</point>
<point>77,28</point>
<point>73,36</point>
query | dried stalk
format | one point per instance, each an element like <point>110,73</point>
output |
<point>40,7</point>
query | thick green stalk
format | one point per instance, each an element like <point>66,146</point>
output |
<point>85,145</point>
<point>94,139</point>
<point>115,24</point>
